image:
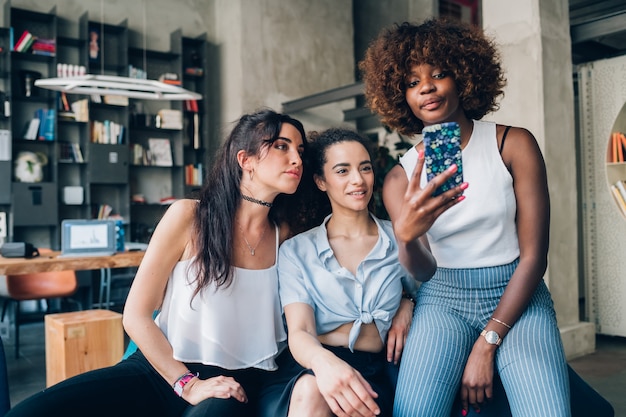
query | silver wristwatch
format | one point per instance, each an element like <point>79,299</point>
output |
<point>492,337</point>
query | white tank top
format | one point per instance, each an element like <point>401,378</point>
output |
<point>479,231</point>
<point>236,327</point>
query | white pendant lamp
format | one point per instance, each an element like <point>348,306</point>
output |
<point>117,85</point>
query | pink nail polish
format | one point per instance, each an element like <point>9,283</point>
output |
<point>464,412</point>
<point>464,186</point>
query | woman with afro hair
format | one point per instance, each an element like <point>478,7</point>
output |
<point>486,311</point>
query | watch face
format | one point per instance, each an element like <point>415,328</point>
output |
<point>492,337</point>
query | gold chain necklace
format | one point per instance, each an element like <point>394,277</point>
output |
<point>251,248</point>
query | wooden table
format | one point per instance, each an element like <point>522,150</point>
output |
<point>52,262</point>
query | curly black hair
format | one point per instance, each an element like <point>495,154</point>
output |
<point>462,50</point>
<point>315,205</point>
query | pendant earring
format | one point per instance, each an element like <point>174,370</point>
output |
<point>251,174</point>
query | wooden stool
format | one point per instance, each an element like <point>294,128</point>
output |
<point>80,341</point>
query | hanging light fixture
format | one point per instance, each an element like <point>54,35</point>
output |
<point>116,85</point>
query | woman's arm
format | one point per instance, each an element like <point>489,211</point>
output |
<point>399,330</point>
<point>523,159</point>
<point>166,248</point>
<point>170,243</point>
<point>413,210</point>
<point>343,388</point>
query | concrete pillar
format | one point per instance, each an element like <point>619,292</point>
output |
<point>533,38</point>
<point>271,52</point>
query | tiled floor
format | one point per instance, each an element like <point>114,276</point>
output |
<point>605,369</point>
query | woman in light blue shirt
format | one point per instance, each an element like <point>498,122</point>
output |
<point>341,284</point>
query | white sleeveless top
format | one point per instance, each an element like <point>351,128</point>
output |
<point>479,231</point>
<point>236,327</point>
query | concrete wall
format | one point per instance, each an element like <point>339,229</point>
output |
<point>271,53</point>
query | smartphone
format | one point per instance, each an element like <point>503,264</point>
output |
<point>442,148</point>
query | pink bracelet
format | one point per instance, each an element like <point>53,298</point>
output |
<point>182,380</point>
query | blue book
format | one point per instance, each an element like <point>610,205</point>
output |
<point>48,129</point>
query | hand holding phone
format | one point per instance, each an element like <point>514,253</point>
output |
<point>442,148</point>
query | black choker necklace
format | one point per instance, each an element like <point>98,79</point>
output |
<point>254,200</point>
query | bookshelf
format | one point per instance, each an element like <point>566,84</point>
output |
<point>601,112</point>
<point>156,171</point>
<point>5,122</point>
<point>34,205</point>
<point>83,174</point>
<point>72,127</point>
<point>195,55</point>
<point>616,162</point>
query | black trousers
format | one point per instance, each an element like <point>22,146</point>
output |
<point>132,388</point>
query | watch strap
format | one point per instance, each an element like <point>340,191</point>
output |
<point>183,380</point>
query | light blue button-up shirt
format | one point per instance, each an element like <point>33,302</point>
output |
<point>308,272</point>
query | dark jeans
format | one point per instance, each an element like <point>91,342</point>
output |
<point>132,388</point>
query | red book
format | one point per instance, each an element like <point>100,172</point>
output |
<point>20,40</point>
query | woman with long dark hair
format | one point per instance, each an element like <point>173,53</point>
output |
<point>210,271</point>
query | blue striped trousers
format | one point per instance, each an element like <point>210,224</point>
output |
<point>452,309</point>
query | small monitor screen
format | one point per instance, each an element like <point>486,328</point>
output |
<point>89,236</point>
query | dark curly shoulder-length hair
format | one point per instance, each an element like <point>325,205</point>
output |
<point>462,50</point>
<point>221,196</point>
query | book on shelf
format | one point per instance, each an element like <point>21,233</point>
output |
<point>42,46</point>
<point>169,119</point>
<point>104,211</point>
<point>32,129</point>
<point>80,108</point>
<point>621,202</point>
<point>65,152</point>
<point>5,145</point>
<point>621,186</point>
<point>70,152</point>
<point>107,132</point>
<point>194,71</point>
<point>160,152</point>
<point>192,130</point>
<point>115,100</point>
<point>28,42</point>
<point>193,174</point>
<point>64,104</point>
<point>191,106</point>
<point>138,154</point>
<point>21,41</point>
<point>196,131</point>
<point>49,119</point>
<point>617,147</point>
<point>170,78</point>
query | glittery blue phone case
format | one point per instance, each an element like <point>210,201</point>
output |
<point>442,148</point>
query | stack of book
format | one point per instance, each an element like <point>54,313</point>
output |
<point>43,46</point>
<point>170,78</point>
<point>169,119</point>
